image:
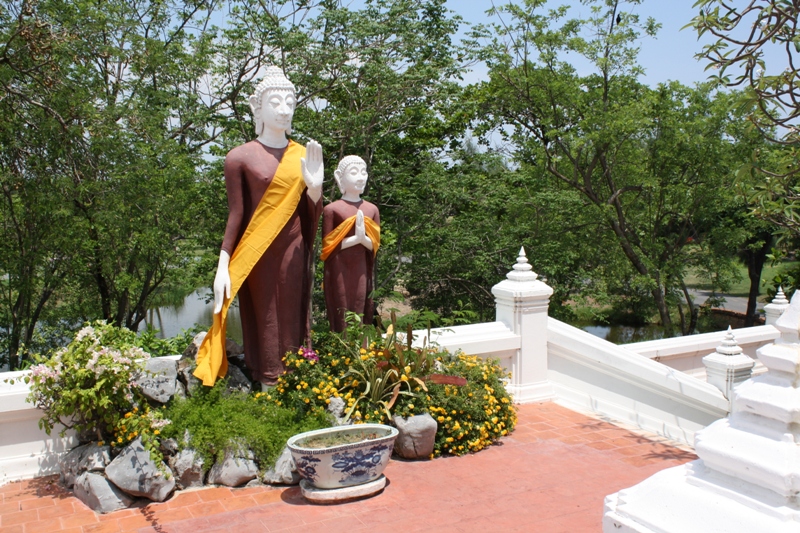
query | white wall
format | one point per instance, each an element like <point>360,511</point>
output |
<point>25,450</point>
<point>591,374</point>
<point>686,353</point>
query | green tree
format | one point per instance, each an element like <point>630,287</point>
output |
<point>105,123</point>
<point>646,161</point>
<point>756,49</point>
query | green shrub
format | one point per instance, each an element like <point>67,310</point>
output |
<point>88,385</point>
<point>378,377</point>
<point>217,421</point>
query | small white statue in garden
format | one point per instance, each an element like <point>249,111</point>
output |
<point>351,236</point>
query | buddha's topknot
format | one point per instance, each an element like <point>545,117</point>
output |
<point>274,79</point>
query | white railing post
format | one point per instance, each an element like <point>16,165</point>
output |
<point>728,366</point>
<point>522,302</point>
<point>775,309</point>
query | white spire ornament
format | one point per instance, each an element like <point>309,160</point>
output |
<point>522,271</point>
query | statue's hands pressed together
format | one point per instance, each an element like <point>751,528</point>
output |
<point>361,230</point>
<point>313,170</point>
<point>222,282</point>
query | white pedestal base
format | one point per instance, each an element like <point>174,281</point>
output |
<point>345,494</point>
<point>693,499</point>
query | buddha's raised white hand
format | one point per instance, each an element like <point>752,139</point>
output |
<point>313,170</point>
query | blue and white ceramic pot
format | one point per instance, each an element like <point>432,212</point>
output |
<point>343,465</point>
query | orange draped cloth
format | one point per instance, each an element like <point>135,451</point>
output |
<point>272,213</point>
<point>335,237</point>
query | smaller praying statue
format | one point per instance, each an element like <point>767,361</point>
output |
<point>351,236</point>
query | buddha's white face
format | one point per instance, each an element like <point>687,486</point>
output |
<point>277,110</point>
<point>354,179</point>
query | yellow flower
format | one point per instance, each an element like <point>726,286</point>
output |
<point>100,443</point>
<point>407,369</point>
<point>119,439</point>
<point>156,432</point>
<point>440,419</point>
<point>411,406</point>
<point>362,351</point>
<point>403,378</point>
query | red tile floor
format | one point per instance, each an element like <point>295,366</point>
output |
<point>551,475</point>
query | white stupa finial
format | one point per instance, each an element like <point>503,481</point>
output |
<point>522,270</point>
<point>780,297</point>
<point>789,322</point>
<point>729,345</point>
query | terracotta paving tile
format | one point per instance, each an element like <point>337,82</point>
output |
<point>61,508</point>
<point>36,503</point>
<point>101,527</point>
<point>270,496</point>
<point>183,499</point>
<point>19,517</point>
<point>557,468</point>
<point>10,507</point>
<point>134,522</point>
<point>79,518</point>
<point>217,493</point>
<point>238,502</point>
<point>43,526</point>
<point>206,508</point>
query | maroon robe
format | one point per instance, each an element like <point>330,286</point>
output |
<point>348,278</point>
<point>274,300</point>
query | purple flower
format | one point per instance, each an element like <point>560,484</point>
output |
<point>310,354</point>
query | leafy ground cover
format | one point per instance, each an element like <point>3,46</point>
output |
<point>91,386</point>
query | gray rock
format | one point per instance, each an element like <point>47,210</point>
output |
<point>169,447</point>
<point>99,494</point>
<point>87,458</point>
<point>186,377</point>
<point>417,436</point>
<point>191,351</point>
<point>237,381</point>
<point>137,474</point>
<point>188,469</point>
<point>158,379</point>
<point>232,349</point>
<point>234,470</point>
<point>180,390</point>
<point>284,472</point>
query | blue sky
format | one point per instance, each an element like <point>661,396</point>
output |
<point>670,56</point>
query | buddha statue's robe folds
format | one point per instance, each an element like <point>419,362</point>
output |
<point>349,272</point>
<point>270,233</point>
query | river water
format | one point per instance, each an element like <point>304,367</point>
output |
<point>198,307</point>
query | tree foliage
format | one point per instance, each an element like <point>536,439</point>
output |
<point>647,162</point>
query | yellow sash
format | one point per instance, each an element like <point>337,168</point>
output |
<point>271,215</point>
<point>335,237</point>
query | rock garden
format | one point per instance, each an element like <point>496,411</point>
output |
<point>147,427</point>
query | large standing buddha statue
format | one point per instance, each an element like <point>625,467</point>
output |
<point>274,188</point>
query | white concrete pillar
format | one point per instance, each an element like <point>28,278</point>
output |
<point>522,302</point>
<point>775,309</point>
<point>728,366</point>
